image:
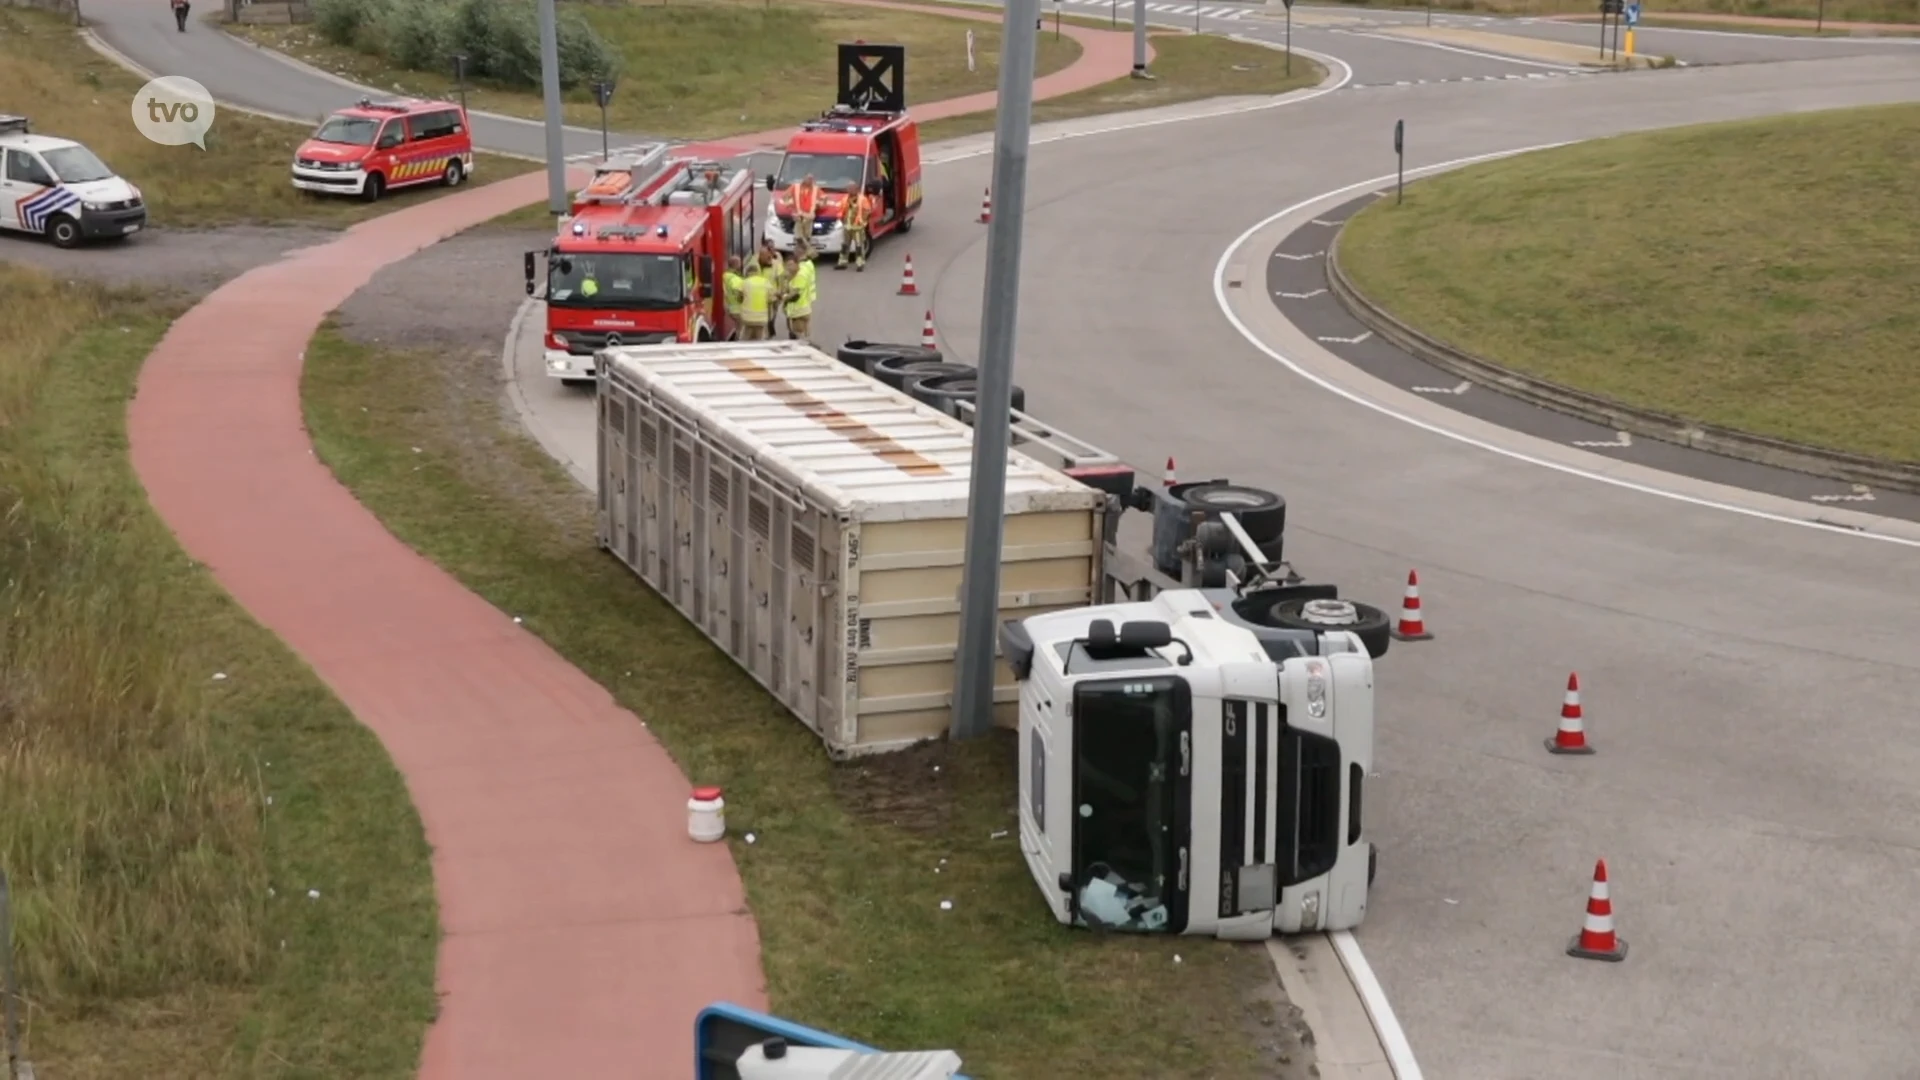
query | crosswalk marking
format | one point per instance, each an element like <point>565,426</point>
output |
<point>1225,14</point>
<point>1472,78</point>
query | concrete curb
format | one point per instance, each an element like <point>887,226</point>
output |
<point>1618,416</point>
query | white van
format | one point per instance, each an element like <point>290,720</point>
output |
<point>58,188</point>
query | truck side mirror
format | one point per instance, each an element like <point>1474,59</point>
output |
<point>529,268</point>
<point>769,181</point>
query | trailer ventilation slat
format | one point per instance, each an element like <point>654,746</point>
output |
<point>802,551</point>
<point>682,466</point>
<point>717,490</point>
<point>760,519</point>
<point>649,441</point>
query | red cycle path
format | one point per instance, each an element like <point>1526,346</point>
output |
<point>582,929</point>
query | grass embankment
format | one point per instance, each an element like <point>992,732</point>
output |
<point>67,89</point>
<point>713,68</point>
<point>851,862</point>
<point>1865,11</point>
<point>1186,67</point>
<point>1756,275</point>
<point>172,780</point>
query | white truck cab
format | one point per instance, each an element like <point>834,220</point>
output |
<point>57,188</point>
<point>1187,770</point>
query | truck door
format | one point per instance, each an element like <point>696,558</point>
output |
<point>28,193</point>
<point>1132,779</point>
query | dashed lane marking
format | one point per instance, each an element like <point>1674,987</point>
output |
<point>1621,439</point>
<point>1299,295</point>
<point>1364,335</point>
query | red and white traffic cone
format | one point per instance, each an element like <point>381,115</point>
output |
<point>1596,940</point>
<point>1168,480</point>
<point>1571,737</point>
<point>907,287</point>
<point>927,338</point>
<point>986,206</point>
<point>1412,627</point>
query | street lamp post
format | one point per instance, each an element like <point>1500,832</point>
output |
<point>460,78</point>
<point>602,95</point>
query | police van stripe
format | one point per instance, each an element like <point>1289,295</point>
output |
<point>34,210</point>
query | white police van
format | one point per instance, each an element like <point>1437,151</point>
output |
<point>59,189</point>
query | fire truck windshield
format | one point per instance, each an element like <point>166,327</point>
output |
<point>1128,762</point>
<point>833,172</point>
<point>617,280</point>
<point>348,130</point>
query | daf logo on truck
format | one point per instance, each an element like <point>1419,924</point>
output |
<point>1195,723</point>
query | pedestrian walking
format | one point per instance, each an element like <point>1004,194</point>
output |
<point>803,287</point>
<point>180,9</point>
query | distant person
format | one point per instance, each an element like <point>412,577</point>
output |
<point>733,283</point>
<point>806,203</point>
<point>775,270</point>
<point>859,216</point>
<point>756,304</point>
<point>803,288</point>
<point>180,9</point>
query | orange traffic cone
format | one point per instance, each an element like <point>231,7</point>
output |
<point>986,206</point>
<point>927,338</point>
<point>1596,940</point>
<point>907,287</point>
<point>1412,626</point>
<point>1168,480</point>
<point>1571,737</point>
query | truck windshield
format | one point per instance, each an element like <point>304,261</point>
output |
<point>833,172</point>
<point>76,165</point>
<point>626,281</point>
<point>1129,788</point>
<point>348,130</point>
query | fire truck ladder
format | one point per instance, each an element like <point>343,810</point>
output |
<point>692,189</point>
<point>628,179</point>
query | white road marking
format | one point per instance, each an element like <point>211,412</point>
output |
<point>1861,493</point>
<point>1461,389</point>
<point>1364,335</point>
<point>1220,300</point>
<point>1463,52</point>
<point>1323,221</point>
<point>1297,258</point>
<point>1620,438</point>
<point>1393,1041</point>
<point>1299,295</point>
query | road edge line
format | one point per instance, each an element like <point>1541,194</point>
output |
<point>1386,1026</point>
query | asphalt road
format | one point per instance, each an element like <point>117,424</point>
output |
<point>1747,682</point>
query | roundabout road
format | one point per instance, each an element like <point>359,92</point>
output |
<point>1747,681</point>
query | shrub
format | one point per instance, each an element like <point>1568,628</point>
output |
<point>339,21</point>
<point>501,38</point>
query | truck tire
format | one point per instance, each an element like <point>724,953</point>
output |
<point>1262,513</point>
<point>896,370</point>
<point>1371,624</point>
<point>862,355</point>
<point>370,191</point>
<point>943,392</point>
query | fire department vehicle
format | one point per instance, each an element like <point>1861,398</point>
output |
<point>373,147</point>
<point>642,257</point>
<point>865,143</point>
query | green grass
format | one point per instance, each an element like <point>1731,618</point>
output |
<point>1186,67</point>
<point>851,861</point>
<point>135,820</point>
<point>1870,11</point>
<point>712,68</point>
<point>67,89</point>
<point>1757,275</point>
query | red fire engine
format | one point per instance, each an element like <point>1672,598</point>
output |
<point>642,259</point>
<point>866,142</point>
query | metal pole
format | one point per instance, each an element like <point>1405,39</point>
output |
<point>1429,12</point>
<point>1603,33</point>
<point>974,664</point>
<point>550,88</point>
<point>1289,71</point>
<point>9,993</point>
<point>1113,13</point>
<point>1139,39</point>
<point>1820,17</point>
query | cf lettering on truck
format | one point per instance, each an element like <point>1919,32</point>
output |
<point>374,147</point>
<point>643,258</point>
<point>865,144</point>
<point>58,189</point>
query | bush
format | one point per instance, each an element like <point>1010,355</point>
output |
<point>501,38</point>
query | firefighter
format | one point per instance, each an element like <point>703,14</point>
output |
<point>733,282</point>
<point>859,217</point>
<point>803,289</point>
<point>776,274</point>
<point>806,200</point>
<point>756,304</point>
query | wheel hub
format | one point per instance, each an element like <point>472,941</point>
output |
<point>1329,613</point>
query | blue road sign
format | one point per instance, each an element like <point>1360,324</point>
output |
<point>1633,14</point>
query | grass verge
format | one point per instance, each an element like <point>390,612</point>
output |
<point>67,89</point>
<point>851,862</point>
<point>172,780</point>
<point>1757,275</point>
<point>1186,67</point>
<point>718,67</point>
<point>1866,11</point>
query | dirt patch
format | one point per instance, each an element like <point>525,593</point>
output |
<point>911,790</point>
<point>181,261</point>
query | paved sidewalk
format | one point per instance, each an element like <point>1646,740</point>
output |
<point>1706,18</point>
<point>583,930</point>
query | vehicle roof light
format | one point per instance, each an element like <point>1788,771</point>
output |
<point>661,232</point>
<point>579,229</point>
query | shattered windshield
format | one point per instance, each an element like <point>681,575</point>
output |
<point>1128,763</point>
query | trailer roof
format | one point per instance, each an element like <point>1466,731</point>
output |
<point>864,446</point>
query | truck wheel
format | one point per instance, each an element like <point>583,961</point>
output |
<point>1369,622</point>
<point>906,226</point>
<point>453,175</point>
<point>374,186</point>
<point>862,355</point>
<point>1262,513</point>
<point>63,231</point>
<point>944,392</point>
<point>896,370</point>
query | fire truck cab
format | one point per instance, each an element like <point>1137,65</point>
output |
<point>865,143</point>
<point>641,260</point>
